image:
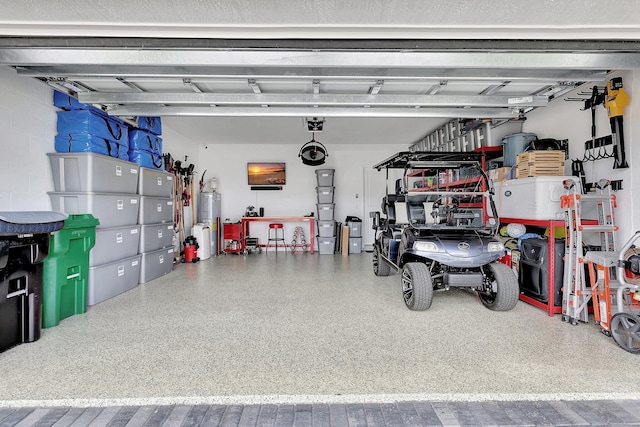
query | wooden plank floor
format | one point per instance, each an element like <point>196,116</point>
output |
<point>417,413</point>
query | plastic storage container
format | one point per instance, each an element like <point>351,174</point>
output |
<point>144,141</point>
<point>355,228</point>
<point>93,123</point>
<point>151,124</point>
<point>87,143</point>
<point>325,177</point>
<point>325,194</point>
<point>326,228</point>
<point>326,245</point>
<point>155,209</point>
<point>530,198</point>
<point>68,103</point>
<point>108,280</point>
<point>515,144</point>
<point>24,245</point>
<point>325,211</point>
<point>66,270</point>
<point>111,209</point>
<point>91,172</point>
<point>155,183</point>
<point>155,236</point>
<point>156,264</point>
<point>147,159</point>
<point>355,245</point>
<point>115,243</point>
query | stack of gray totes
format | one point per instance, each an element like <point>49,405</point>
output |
<point>325,210</point>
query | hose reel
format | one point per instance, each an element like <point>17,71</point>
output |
<point>631,265</point>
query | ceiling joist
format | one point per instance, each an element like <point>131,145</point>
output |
<point>155,110</point>
<point>305,59</point>
<point>313,99</point>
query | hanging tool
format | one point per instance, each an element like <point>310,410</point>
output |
<point>577,170</point>
<point>202,180</point>
<point>192,196</point>
<point>615,101</point>
<point>596,99</point>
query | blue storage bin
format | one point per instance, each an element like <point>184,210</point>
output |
<point>144,141</point>
<point>150,124</point>
<point>86,143</point>
<point>147,159</point>
<point>93,123</point>
<point>69,103</point>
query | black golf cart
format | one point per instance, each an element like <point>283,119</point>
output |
<point>438,227</point>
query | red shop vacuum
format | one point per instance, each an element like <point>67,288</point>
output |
<point>190,250</point>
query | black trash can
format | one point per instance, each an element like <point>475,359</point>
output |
<point>24,245</point>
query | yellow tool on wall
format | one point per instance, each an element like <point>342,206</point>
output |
<point>615,99</point>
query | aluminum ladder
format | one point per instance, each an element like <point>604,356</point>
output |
<point>576,291</point>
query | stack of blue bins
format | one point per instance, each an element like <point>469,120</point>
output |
<point>84,128</point>
<point>145,143</point>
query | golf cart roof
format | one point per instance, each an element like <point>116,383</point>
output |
<point>429,159</point>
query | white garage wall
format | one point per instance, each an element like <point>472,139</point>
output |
<point>565,120</point>
<point>27,131</point>
<point>228,163</point>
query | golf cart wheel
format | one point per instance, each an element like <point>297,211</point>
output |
<point>417,289</point>
<point>506,288</point>
<point>380,267</point>
<point>625,329</point>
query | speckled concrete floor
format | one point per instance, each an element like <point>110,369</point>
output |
<point>302,328</point>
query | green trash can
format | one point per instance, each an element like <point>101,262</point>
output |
<point>66,269</point>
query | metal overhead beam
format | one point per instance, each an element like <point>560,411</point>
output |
<point>522,44</point>
<point>129,84</point>
<point>194,87</point>
<point>254,86</point>
<point>324,73</point>
<point>472,113</point>
<point>305,59</point>
<point>313,99</point>
<point>375,89</point>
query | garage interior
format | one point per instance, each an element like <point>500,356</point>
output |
<point>237,83</point>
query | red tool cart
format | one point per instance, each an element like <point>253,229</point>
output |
<point>232,236</point>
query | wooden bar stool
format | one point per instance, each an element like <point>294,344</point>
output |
<point>276,234</point>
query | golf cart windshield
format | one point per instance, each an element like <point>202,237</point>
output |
<point>441,191</point>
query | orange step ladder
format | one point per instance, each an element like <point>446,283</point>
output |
<point>577,292</point>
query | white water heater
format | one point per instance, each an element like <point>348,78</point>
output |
<point>209,211</point>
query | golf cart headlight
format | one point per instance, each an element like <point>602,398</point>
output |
<point>495,247</point>
<point>426,247</point>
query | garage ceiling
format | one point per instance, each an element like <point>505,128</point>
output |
<point>227,72</point>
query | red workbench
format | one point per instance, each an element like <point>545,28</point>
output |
<point>283,219</point>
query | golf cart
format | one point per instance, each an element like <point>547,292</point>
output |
<point>439,229</point>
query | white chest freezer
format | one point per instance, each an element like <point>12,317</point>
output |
<point>531,198</point>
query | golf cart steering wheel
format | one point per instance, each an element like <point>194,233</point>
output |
<point>454,202</point>
<point>444,209</point>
